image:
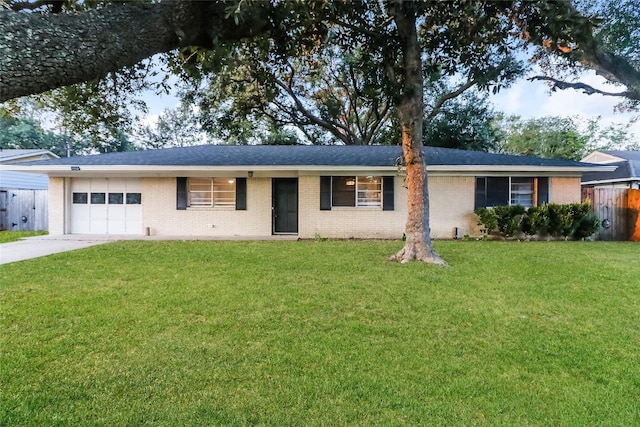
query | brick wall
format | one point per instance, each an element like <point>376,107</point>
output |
<point>57,206</point>
<point>565,190</point>
<point>451,204</point>
<point>349,222</point>
<point>159,212</point>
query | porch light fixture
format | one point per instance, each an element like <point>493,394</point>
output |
<point>231,181</point>
<point>250,174</point>
<point>350,182</point>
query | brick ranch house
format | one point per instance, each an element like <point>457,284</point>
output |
<point>308,191</point>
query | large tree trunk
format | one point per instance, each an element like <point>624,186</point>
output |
<point>39,52</point>
<point>411,112</point>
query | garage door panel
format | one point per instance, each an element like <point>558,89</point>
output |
<point>133,227</point>
<point>118,227</point>
<point>102,206</point>
<point>117,212</point>
<point>99,185</point>
<point>98,226</point>
<point>117,216</point>
<point>80,226</point>
<point>82,185</point>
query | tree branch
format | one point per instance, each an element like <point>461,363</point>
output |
<point>447,96</point>
<point>43,51</point>
<point>336,130</point>
<point>585,88</point>
<point>27,5</point>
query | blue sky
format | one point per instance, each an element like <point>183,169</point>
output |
<point>533,99</point>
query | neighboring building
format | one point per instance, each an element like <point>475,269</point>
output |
<point>327,191</point>
<point>23,196</point>
<point>615,195</point>
<point>626,174</point>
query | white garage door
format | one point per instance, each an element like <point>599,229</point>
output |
<point>106,206</point>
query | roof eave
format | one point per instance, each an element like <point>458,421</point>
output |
<point>521,168</point>
<point>29,154</point>
<point>612,181</point>
<point>153,170</point>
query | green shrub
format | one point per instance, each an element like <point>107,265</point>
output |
<point>510,219</point>
<point>560,220</point>
<point>588,225</point>
<point>552,220</point>
<point>488,219</point>
<point>502,220</point>
<point>538,220</point>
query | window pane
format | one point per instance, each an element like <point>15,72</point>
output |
<point>115,198</point>
<point>543,191</point>
<point>97,198</point>
<point>343,189</point>
<point>212,192</point>
<point>224,192</point>
<point>522,192</point>
<point>497,191</point>
<point>200,192</point>
<point>80,198</point>
<point>481,193</point>
<point>369,191</point>
<point>134,198</point>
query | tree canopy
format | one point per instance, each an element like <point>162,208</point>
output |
<point>561,137</point>
<point>589,34</point>
<point>468,122</point>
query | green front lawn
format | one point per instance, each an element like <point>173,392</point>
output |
<point>322,333</point>
<point>13,236</point>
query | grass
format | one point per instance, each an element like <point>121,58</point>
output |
<point>322,333</point>
<point>13,236</point>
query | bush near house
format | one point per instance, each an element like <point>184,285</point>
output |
<point>570,221</point>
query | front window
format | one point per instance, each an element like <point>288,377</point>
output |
<point>212,192</point>
<point>502,191</point>
<point>369,191</point>
<point>357,191</point>
<point>522,192</point>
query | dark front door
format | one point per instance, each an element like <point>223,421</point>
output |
<point>285,205</point>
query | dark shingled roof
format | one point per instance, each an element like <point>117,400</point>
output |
<point>628,169</point>
<point>299,155</point>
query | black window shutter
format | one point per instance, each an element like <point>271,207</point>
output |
<point>543,191</point>
<point>387,193</point>
<point>241,194</point>
<point>325,193</point>
<point>481,193</point>
<point>181,193</point>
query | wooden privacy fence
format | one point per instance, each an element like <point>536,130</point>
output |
<point>23,210</point>
<point>634,205</point>
<point>617,209</point>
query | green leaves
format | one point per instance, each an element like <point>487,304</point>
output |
<point>547,137</point>
<point>561,137</point>
<point>27,133</point>
<point>467,122</point>
<point>548,220</point>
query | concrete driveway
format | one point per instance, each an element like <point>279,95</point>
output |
<point>34,247</point>
<point>37,246</point>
